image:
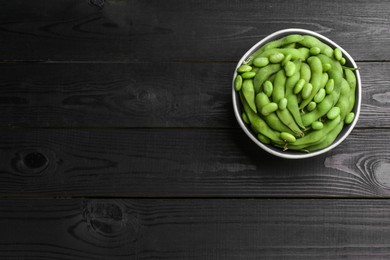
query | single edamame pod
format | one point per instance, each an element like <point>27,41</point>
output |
<point>238,83</point>
<point>316,78</point>
<point>288,137</point>
<point>342,61</point>
<point>349,118</point>
<point>337,54</point>
<point>249,93</point>
<point>289,68</point>
<point>317,125</point>
<point>351,79</point>
<point>312,105</point>
<point>310,41</point>
<point>343,102</point>
<point>263,139</point>
<point>306,91</point>
<point>319,96</point>
<point>286,117</point>
<point>305,72</point>
<point>261,62</point>
<point>245,118</point>
<point>282,104</point>
<point>299,86</point>
<point>276,58</point>
<point>269,108</point>
<point>268,88</point>
<point>279,86</point>
<point>292,100</point>
<point>244,68</point>
<point>333,113</point>
<point>248,75</point>
<point>292,38</point>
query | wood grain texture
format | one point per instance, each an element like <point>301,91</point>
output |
<point>195,229</point>
<point>187,163</point>
<point>137,30</point>
<point>145,95</point>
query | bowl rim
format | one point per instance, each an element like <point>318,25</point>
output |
<point>281,153</point>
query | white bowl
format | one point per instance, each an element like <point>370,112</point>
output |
<point>290,154</point>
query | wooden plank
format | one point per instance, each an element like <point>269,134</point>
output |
<point>145,95</point>
<point>195,229</point>
<point>187,163</point>
<point>135,30</point>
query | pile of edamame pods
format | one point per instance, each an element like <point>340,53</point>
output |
<point>296,93</point>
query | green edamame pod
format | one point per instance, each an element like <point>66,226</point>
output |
<point>343,102</point>
<point>261,62</point>
<point>263,139</point>
<point>342,61</point>
<point>269,108</point>
<point>316,77</point>
<point>333,113</point>
<point>263,74</point>
<point>276,58</point>
<point>296,54</point>
<point>319,96</point>
<point>287,119</point>
<point>306,92</point>
<point>279,86</point>
<point>310,41</point>
<point>245,118</point>
<point>351,79</point>
<point>312,105</point>
<point>244,68</point>
<point>337,54</point>
<point>305,72</point>
<point>288,137</point>
<point>349,118</point>
<point>268,88</point>
<point>336,73</point>
<point>292,38</point>
<point>292,100</point>
<point>249,93</point>
<point>238,83</point>
<point>248,75</point>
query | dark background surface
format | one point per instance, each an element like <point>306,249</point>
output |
<point>118,140</point>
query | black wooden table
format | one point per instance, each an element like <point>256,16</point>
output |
<point>118,139</point>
